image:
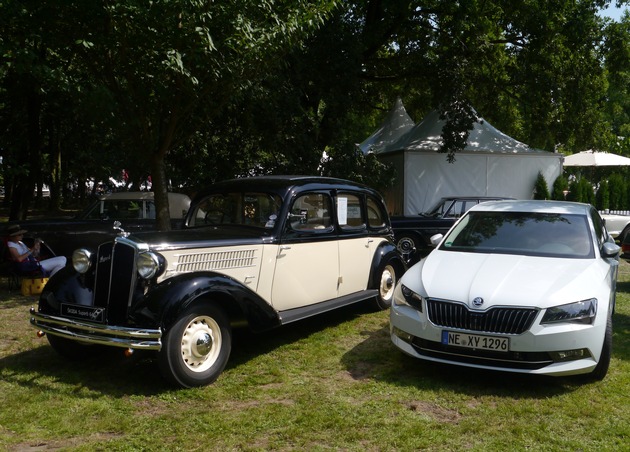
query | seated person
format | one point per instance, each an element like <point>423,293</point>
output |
<point>26,258</point>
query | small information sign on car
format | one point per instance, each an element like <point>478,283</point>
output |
<point>475,341</point>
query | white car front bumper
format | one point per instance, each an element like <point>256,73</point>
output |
<point>557,349</point>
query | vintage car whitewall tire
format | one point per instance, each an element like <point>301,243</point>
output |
<point>386,285</point>
<point>197,347</point>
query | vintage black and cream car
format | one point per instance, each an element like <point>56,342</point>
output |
<point>261,252</point>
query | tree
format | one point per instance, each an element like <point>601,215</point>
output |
<point>560,188</point>
<point>541,191</point>
<point>173,66</point>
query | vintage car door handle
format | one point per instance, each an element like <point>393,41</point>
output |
<point>367,245</point>
<point>284,247</point>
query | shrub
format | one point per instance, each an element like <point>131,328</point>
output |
<point>541,191</point>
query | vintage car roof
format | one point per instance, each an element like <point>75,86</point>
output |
<point>534,206</point>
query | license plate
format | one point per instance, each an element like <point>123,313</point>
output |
<point>497,344</point>
<point>83,312</point>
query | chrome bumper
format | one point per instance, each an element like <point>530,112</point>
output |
<point>115,336</point>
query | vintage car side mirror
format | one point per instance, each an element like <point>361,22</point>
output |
<point>436,239</point>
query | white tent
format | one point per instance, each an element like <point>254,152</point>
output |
<point>492,164</point>
<point>395,125</point>
<point>595,158</point>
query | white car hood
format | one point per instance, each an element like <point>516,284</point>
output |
<point>508,280</point>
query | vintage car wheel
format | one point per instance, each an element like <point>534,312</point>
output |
<point>386,285</point>
<point>72,350</point>
<point>601,369</point>
<point>197,347</point>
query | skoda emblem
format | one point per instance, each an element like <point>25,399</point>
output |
<point>477,302</point>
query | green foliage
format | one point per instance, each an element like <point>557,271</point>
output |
<point>560,186</point>
<point>218,89</point>
<point>581,190</point>
<point>602,200</point>
<point>618,189</point>
<point>541,191</point>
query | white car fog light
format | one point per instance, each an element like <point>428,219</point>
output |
<point>570,355</point>
<point>403,335</point>
<point>81,260</point>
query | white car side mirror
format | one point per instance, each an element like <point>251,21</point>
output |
<point>436,239</point>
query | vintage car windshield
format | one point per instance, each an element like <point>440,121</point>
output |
<point>237,208</point>
<point>120,209</point>
<point>522,233</point>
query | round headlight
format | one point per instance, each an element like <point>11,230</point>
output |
<point>82,260</point>
<point>148,265</point>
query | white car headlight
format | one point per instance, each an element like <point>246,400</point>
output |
<point>149,265</point>
<point>405,296</point>
<point>81,260</point>
<point>578,312</point>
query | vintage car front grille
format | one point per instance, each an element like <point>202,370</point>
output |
<point>495,320</point>
<point>218,260</point>
<point>115,279</point>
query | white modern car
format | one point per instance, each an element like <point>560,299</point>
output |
<point>517,286</point>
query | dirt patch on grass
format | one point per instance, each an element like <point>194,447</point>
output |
<point>436,412</point>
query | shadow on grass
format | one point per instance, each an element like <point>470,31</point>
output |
<point>110,373</point>
<point>378,359</point>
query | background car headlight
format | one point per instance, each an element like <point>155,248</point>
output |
<point>578,312</point>
<point>81,260</point>
<point>149,265</point>
<point>405,296</point>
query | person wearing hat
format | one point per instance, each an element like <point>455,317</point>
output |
<point>25,257</point>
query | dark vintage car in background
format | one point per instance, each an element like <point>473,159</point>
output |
<point>413,233</point>
<point>93,225</point>
<point>258,252</point>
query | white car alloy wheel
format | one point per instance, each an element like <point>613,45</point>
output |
<point>201,343</point>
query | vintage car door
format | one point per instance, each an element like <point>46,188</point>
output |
<point>356,247</point>
<point>307,263</point>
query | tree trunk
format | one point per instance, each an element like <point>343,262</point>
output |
<point>160,191</point>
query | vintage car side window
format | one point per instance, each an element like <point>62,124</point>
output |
<point>376,217</point>
<point>311,212</point>
<point>251,209</point>
<point>349,212</point>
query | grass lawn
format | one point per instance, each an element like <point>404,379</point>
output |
<point>331,382</point>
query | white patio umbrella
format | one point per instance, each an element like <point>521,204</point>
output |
<point>595,158</point>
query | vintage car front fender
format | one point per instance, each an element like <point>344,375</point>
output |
<point>164,303</point>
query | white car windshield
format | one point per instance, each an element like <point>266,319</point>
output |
<point>523,233</point>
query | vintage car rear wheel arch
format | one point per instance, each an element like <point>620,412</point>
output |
<point>387,254</point>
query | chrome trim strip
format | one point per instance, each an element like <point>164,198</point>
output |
<point>115,336</point>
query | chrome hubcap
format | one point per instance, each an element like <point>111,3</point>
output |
<point>201,343</point>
